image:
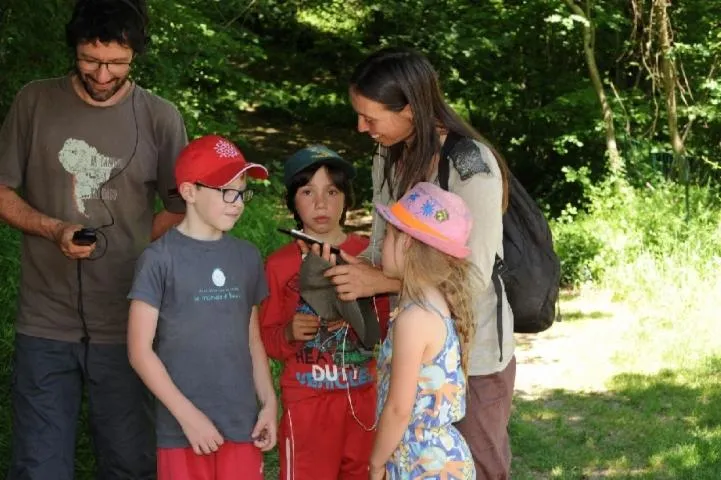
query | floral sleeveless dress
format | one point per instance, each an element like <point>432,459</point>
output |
<point>431,447</point>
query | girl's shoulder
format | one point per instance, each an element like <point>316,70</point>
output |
<point>422,315</point>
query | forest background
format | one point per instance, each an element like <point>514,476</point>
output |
<point>608,111</point>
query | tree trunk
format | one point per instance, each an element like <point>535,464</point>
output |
<point>668,74</point>
<point>667,66</point>
<point>615,162</point>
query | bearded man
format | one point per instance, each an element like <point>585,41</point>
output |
<point>90,149</point>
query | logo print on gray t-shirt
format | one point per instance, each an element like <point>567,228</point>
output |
<point>90,169</point>
<point>218,277</point>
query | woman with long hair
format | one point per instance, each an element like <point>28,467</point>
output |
<point>397,97</point>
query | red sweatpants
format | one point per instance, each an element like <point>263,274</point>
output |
<point>320,440</point>
<point>232,461</point>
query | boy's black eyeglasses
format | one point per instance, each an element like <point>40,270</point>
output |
<point>231,195</point>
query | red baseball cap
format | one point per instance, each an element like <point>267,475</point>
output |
<point>214,161</point>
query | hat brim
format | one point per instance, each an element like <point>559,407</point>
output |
<point>449,247</point>
<point>227,174</point>
<point>336,162</point>
<point>253,170</point>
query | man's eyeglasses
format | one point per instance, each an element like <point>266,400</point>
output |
<point>231,195</point>
<point>90,66</point>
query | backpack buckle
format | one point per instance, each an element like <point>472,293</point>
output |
<point>499,266</point>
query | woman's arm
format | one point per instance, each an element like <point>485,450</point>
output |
<point>357,279</point>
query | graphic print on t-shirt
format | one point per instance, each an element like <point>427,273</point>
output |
<point>219,292</point>
<point>336,358</point>
<point>90,170</point>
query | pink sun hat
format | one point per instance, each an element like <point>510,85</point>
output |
<point>433,216</point>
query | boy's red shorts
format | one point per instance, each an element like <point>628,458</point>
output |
<point>320,440</point>
<point>232,461</point>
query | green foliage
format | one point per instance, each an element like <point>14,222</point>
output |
<point>578,250</point>
<point>261,218</point>
<point>622,224</point>
<point>272,76</point>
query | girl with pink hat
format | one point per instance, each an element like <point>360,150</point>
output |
<point>422,362</point>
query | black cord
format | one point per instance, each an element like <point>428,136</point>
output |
<point>85,339</point>
<point>105,226</point>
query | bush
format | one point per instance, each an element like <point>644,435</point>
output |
<point>624,225</point>
<point>578,249</point>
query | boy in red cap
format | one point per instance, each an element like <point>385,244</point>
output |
<point>195,298</point>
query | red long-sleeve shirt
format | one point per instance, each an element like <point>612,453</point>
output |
<point>314,367</point>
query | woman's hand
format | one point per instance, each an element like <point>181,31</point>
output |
<point>356,278</point>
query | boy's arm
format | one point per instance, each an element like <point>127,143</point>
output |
<point>273,325</point>
<point>142,324</point>
<point>265,431</point>
<point>261,367</point>
<point>410,338</point>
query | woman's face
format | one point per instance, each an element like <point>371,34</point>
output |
<point>383,125</point>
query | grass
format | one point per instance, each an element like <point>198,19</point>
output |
<point>662,426</point>
<point>658,415</point>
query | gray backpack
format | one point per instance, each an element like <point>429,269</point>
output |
<point>530,269</point>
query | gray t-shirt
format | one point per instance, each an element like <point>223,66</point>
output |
<point>204,292</point>
<point>59,152</point>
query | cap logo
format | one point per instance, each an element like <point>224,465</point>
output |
<point>319,152</point>
<point>225,149</point>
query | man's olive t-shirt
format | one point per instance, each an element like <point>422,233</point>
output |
<point>66,158</point>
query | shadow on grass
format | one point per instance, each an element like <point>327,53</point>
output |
<point>574,315</point>
<point>664,426</point>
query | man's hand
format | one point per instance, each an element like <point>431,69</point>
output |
<point>265,433</point>
<point>302,328</point>
<point>200,432</point>
<point>64,239</point>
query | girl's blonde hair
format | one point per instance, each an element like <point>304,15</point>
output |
<point>457,279</point>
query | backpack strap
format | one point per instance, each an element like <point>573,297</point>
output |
<point>444,162</point>
<point>498,269</point>
<point>444,169</point>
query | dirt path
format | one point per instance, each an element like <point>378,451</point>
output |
<point>575,354</point>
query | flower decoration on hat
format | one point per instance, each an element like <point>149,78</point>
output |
<point>225,149</point>
<point>442,215</point>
